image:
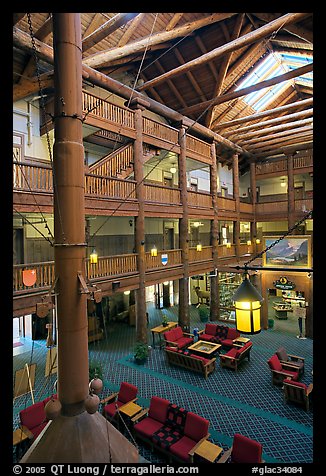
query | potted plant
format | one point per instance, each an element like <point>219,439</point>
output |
<point>95,370</point>
<point>164,320</point>
<point>203,312</point>
<point>140,352</point>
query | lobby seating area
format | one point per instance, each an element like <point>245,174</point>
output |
<point>284,429</point>
<point>190,361</point>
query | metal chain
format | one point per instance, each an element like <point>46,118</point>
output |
<point>259,255</point>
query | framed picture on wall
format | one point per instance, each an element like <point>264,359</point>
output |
<point>291,252</point>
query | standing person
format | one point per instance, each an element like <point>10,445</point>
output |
<point>300,312</point>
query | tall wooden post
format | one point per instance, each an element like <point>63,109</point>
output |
<point>291,204</point>
<point>236,224</point>
<point>74,435</point>
<point>141,323</point>
<point>69,215</point>
<point>184,319</point>
<point>214,295</point>
<point>253,224</point>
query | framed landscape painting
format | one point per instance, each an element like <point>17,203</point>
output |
<point>291,252</point>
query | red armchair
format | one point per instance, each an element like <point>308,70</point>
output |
<point>127,393</point>
<point>177,338</point>
<point>243,450</point>
<point>195,431</point>
<point>209,333</point>
<point>297,392</point>
<point>280,370</point>
<point>151,419</point>
<point>33,418</point>
<point>294,360</point>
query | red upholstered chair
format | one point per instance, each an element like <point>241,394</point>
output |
<point>208,333</point>
<point>127,393</point>
<point>280,370</point>
<point>177,338</point>
<point>231,335</point>
<point>297,392</point>
<point>151,420</point>
<point>243,450</point>
<point>294,360</point>
<point>195,431</point>
<point>33,418</point>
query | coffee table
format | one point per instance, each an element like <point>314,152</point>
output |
<point>203,348</point>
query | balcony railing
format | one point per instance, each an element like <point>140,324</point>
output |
<point>153,262</point>
<point>162,194</point>
<point>109,187</point>
<point>203,255</point>
<point>199,199</point>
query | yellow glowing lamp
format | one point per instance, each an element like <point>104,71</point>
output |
<point>199,247</point>
<point>93,257</point>
<point>247,303</point>
<point>248,242</point>
<point>257,241</point>
<point>154,251</point>
<point>228,244</point>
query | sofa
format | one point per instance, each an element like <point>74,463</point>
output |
<point>171,429</point>
<point>190,361</point>
<point>219,334</point>
<point>233,358</point>
<point>33,418</point>
<point>177,338</point>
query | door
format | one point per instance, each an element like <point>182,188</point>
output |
<point>168,239</point>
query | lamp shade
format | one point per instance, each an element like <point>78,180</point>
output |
<point>247,303</point>
<point>154,251</point>
<point>199,247</point>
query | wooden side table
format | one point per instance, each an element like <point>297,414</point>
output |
<point>160,330</point>
<point>208,451</point>
<point>240,341</point>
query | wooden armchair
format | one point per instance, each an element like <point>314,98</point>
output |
<point>297,392</point>
<point>294,360</point>
<point>281,371</point>
<point>243,450</point>
<point>127,393</point>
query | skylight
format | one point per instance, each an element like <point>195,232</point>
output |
<point>273,65</point>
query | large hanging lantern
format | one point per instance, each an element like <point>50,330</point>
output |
<point>247,303</point>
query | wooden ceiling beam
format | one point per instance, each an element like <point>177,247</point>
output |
<point>277,120</point>
<point>276,136</point>
<point>224,66</point>
<point>131,29</point>
<point>269,130</point>
<point>189,75</point>
<point>295,30</point>
<point>16,17</point>
<point>244,40</point>
<point>174,20</point>
<point>171,85</point>
<point>284,150</point>
<point>106,29</point>
<point>308,136</point>
<point>31,86</point>
<point>255,87</point>
<point>267,112</point>
<point>113,53</point>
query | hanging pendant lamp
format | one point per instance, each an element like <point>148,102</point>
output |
<point>247,303</point>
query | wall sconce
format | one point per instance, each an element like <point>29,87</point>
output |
<point>283,183</point>
<point>247,303</point>
<point>248,242</point>
<point>93,257</point>
<point>126,293</point>
<point>228,244</point>
<point>257,241</point>
<point>154,251</point>
<point>199,247</point>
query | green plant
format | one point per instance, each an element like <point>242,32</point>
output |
<point>95,370</point>
<point>140,351</point>
<point>164,319</point>
<point>203,312</point>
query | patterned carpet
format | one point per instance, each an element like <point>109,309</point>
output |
<point>243,401</point>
